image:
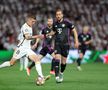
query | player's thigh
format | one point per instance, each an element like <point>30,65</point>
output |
<point>18,53</point>
<point>57,50</point>
<point>33,56</point>
<point>65,51</point>
<point>53,55</point>
<point>44,51</point>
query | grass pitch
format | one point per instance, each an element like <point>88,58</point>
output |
<point>93,77</point>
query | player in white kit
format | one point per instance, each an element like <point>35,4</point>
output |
<point>24,46</point>
<point>24,60</point>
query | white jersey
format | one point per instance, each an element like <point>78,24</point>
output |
<point>25,29</point>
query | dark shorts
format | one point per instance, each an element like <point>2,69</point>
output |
<point>82,50</point>
<point>46,50</point>
<point>62,49</point>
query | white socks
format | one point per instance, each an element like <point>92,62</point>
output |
<point>23,63</point>
<point>39,69</point>
<point>5,64</point>
<point>26,63</point>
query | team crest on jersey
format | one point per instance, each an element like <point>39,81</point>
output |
<point>26,30</point>
<point>84,39</point>
<point>87,36</point>
<point>63,25</point>
<point>47,31</point>
<point>55,25</point>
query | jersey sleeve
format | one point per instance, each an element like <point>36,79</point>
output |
<point>89,37</point>
<point>69,25</point>
<point>25,31</point>
<point>79,37</point>
<point>54,27</point>
<point>42,32</point>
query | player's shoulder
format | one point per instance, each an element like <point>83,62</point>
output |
<point>66,20</point>
<point>25,27</point>
<point>80,34</point>
<point>89,34</point>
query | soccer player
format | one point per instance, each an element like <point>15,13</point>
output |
<point>24,60</point>
<point>62,29</point>
<point>84,44</point>
<point>24,46</point>
<point>46,47</point>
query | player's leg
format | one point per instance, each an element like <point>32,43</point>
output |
<point>57,66</point>
<point>65,49</point>
<point>21,63</point>
<point>17,54</point>
<point>43,52</point>
<point>39,57</point>
<point>81,54</point>
<point>63,67</point>
<point>26,62</point>
<point>57,61</point>
<point>36,59</point>
<point>52,71</point>
<point>31,65</point>
<point>8,63</point>
<point>29,68</point>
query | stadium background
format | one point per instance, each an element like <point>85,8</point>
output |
<point>80,12</point>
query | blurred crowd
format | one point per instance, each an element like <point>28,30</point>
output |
<point>81,12</point>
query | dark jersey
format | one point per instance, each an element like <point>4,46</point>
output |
<point>83,38</point>
<point>47,40</point>
<point>62,31</point>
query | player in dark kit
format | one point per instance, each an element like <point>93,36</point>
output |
<point>62,29</point>
<point>84,44</point>
<point>46,47</point>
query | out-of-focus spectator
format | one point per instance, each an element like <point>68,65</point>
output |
<point>82,12</point>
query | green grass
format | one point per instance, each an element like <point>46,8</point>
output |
<point>93,77</point>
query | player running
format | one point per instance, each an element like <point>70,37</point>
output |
<point>62,30</point>
<point>84,44</point>
<point>46,47</point>
<point>24,46</point>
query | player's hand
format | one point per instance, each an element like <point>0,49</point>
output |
<point>86,43</point>
<point>39,36</point>
<point>76,44</point>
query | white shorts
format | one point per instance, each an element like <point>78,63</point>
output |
<point>22,51</point>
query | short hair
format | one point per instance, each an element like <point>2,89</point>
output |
<point>59,10</point>
<point>49,17</point>
<point>31,16</point>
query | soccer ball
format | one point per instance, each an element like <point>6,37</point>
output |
<point>40,81</point>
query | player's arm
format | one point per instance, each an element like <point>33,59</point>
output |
<point>51,33</point>
<point>36,43</point>
<point>75,37</point>
<point>29,37</point>
<point>71,27</point>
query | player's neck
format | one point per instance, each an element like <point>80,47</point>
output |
<point>28,24</point>
<point>49,26</point>
<point>60,20</point>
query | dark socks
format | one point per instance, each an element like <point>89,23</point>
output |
<point>79,61</point>
<point>63,66</point>
<point>57,62</point>
<point>52,64</point>
<point>32,65</point>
